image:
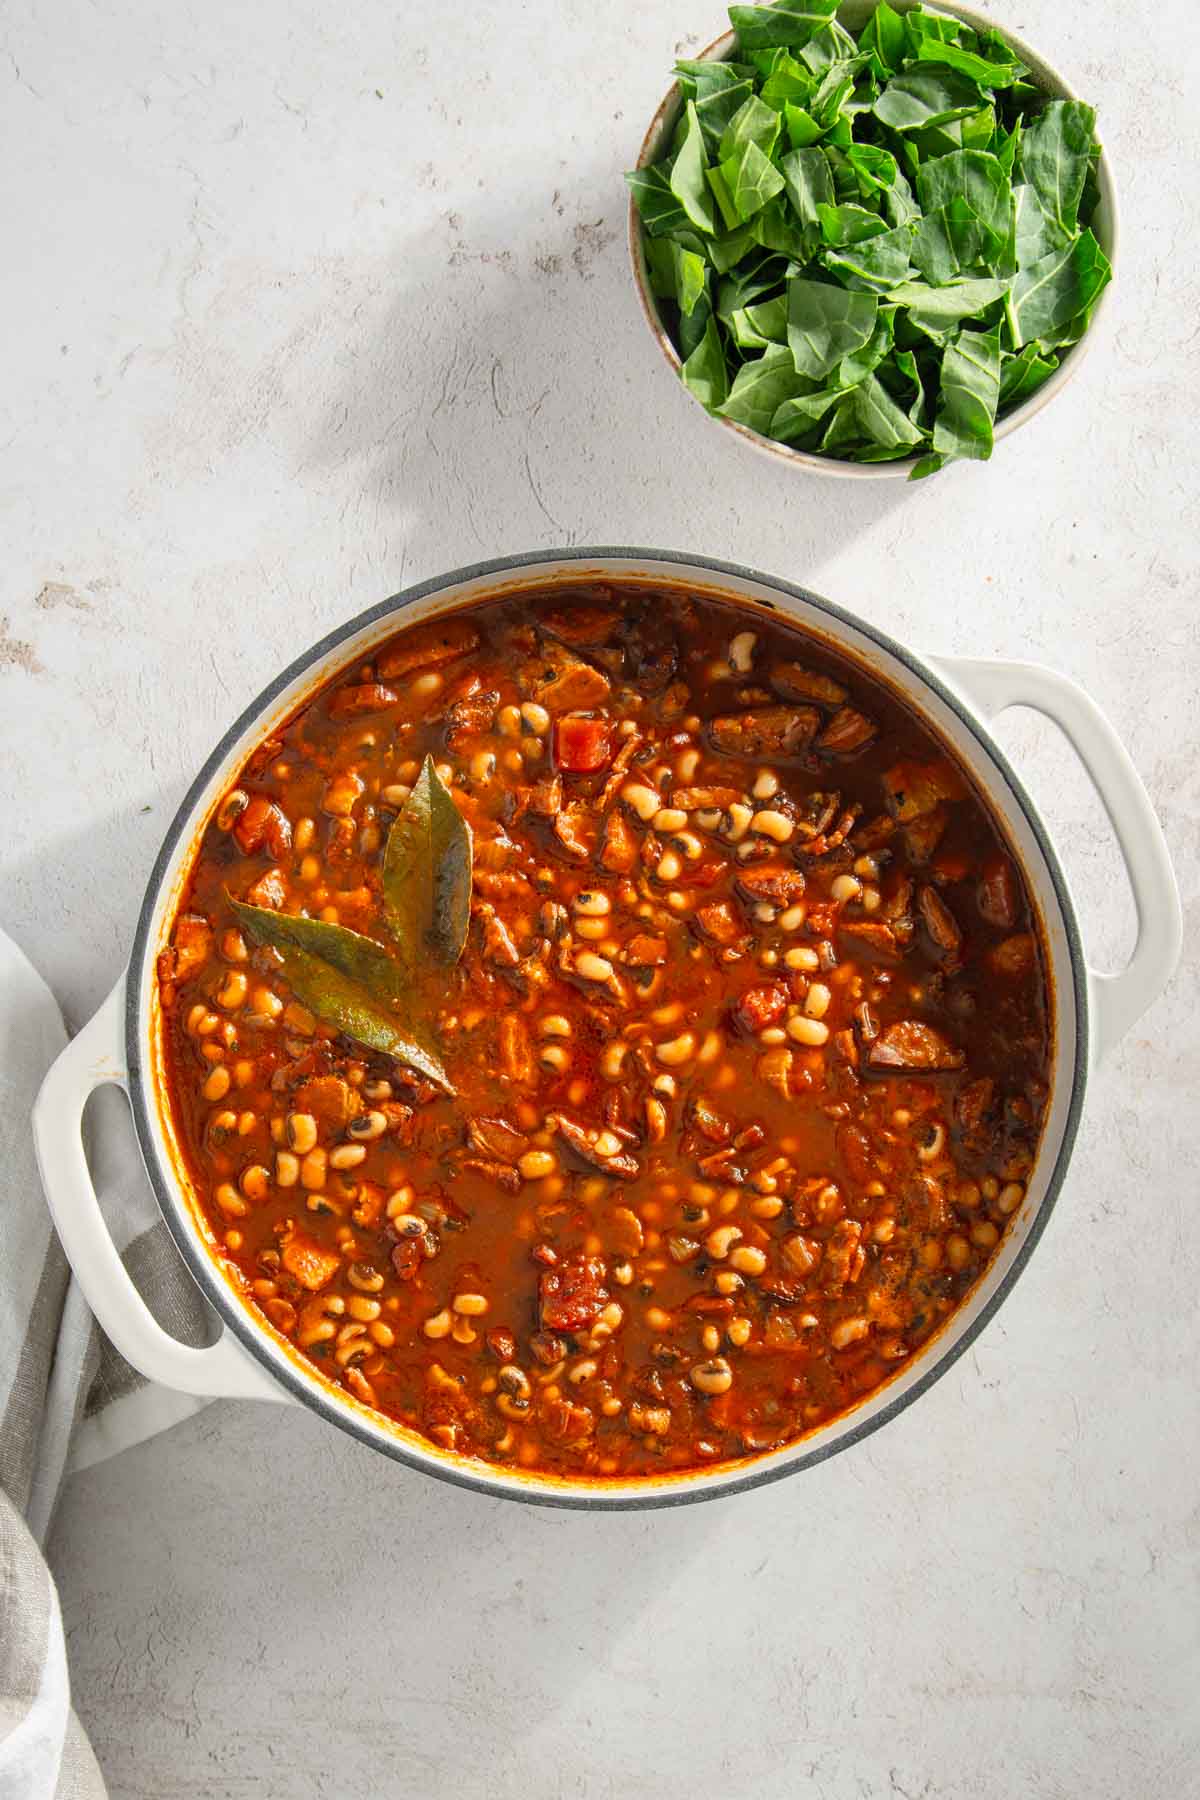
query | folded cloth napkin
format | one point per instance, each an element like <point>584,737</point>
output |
<point>66,1398</point>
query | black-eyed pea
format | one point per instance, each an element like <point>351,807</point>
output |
<point>313,1171</point>
<point>676,1051</point>
<point>591,904</point>
<point>317,1320</point>
<point>644,800</point>
<point>738,1331</point>
<point>352,1346</point>
<point>958,1251</point>
<point>710,1337</point>
<point>399,1202</point>
<point>217,1084</point>
<point>367,1126</point>
<point>1009,1198</point>
<point>810,1032</point>
<point>439,1325</point>
<point>301,1131</point>
<point>282,1315</point>
<point>712,1377</point>
<point>747,1259</point>
<point>471,1306</point>
<point>360,1387</point>
<point>255,1182</point>
<point>849,1331</point>
<point>230,1201</point>
<point>721,1240</point>
<point>984,1234</point>
<point>362,1308</point>
<point>347,1156</point>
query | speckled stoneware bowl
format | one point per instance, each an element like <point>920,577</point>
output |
<point>854,15</point>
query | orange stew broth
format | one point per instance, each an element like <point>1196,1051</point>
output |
<point>749,1040</point>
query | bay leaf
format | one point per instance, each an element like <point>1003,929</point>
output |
<point>348,981</point>
<point>359,958</point>
<point>427,874</point>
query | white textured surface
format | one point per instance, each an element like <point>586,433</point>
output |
<point>277,343</point>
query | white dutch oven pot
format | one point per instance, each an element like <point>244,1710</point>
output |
<point>121,1044</point>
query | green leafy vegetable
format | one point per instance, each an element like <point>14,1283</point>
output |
<point>825,323</point>
<point>789,22</point>
<point>427,874</point>
<point>1050,293</point>
<point>704,372</point>
<point>687,179</point>
<point>870,247</point>
<point>1055,154</point>
<point>969,395</point>
<point>920,96</point>
<point>761,387</point>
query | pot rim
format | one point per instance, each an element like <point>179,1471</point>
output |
<point>688,1488</point>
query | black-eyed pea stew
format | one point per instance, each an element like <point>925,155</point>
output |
<point>733,1032</point>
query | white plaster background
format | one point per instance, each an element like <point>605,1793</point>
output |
<point>302,302</point>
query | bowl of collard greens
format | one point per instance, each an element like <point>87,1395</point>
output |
<point>872,239</point>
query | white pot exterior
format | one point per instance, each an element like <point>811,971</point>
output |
<point>900,671</point>
<point>122,1043</point>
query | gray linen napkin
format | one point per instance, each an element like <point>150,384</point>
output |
<point>66,1398</point>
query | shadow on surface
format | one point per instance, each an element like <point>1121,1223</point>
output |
<point>509,367</point>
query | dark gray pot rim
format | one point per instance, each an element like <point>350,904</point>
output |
<point>237,1317</point>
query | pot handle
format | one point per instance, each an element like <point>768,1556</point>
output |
<point>94,1057</point>
<point>1116,1001</point>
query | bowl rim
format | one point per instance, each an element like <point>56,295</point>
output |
<point>690,1487</point>
<point>1047,77</point>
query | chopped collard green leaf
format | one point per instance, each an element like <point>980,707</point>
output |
<point>871,248</point>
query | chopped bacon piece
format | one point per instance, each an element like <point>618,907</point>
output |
<point>365,697</point>
<point>768,731</point>
<point>940,922</point>
<point>760,1007</point>
<point>844,1257</point>
<point>584,627</point>
<point>190,948</point>
<point>795,682</point>
<point>771,887</point>
<point>582,745</point>
<point>846,732</point>
<point>330,1098</point>
<point>427,647</point>
<point>645,952</point>
<point>998,893</point>
<point>1015,956</point>
<point>915,788</point>
<point>909,1044</point>
<point>307,1262</point>
<point>572,1293</point>
<point>262,825</point>
<point>717,922</point>
<point>618,849</point>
